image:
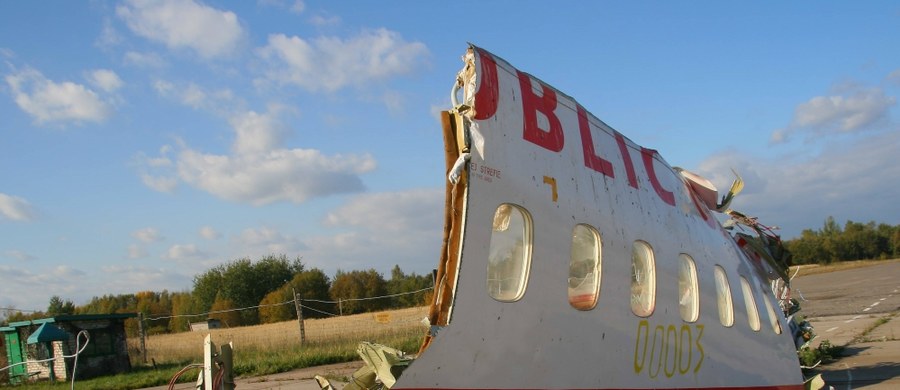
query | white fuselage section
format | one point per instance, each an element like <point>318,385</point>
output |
<point>538,152</point>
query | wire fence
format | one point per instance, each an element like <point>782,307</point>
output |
<point>377,327</point>
<point>333,329</point>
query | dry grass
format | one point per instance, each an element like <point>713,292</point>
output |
<point>282,336</point>
<point>812,269</point>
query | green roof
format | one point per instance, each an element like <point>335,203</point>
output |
<point>47,332</point>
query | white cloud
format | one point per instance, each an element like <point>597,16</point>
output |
<point>132,278</point>
<point>298,7</point>
<point>391,211</point>
<point>323,20</point>
<point>48,101</point>
<point>19,255</point>
<point>257,133</point>
<point>265,241</point>
<point>209,233</point>
<point>823,115</point>
<point>195,96</point>
<point>144,60</point>
<point>183,252</point>
<point>262,171</point>
<point>109,37</point>
<point>15,208</point>
<point>136,252</point>
<point>148,235</point>
<point>163,184</point>
<point>106,80</point>
<point>380,230</point>
<point>294,175</point>
<point>847,180</point>
<point>330,63</point>
<point>184,24</point>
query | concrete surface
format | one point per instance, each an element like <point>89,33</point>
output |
<point>857,309</point>
<point>300,379</point>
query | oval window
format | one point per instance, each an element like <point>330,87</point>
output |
<point>688,296</point>
<point>643,279</point>
<point>509,254</point>
<point>723,297</point>
<point>584,268</point>
<point>773,318</point>
<point>750,303</point>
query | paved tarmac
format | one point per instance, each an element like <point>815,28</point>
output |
<point>857,309</point>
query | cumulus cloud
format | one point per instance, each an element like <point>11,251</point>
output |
<point>148,235</point>
<point>48,101</point>
<point>266,240</point>
<point>209,233</point>
<point>856,110</point>
<point>380,230</point>
<point>136,252</point>
<point>19,255</point>
<point>144,60</point>
<point>15,208</point>
<point>183,252</point>
<point>184,24</point>
<point>195,96</point>
<point>261,170</point>
<point>847,180</point>
<point>106,80</point>
<point>330,63</point>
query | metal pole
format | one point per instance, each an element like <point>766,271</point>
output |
<point>143,331</point>
<point>299,316</point>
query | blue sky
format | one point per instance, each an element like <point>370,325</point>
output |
<point>143,142</point>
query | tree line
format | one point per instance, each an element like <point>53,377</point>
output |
<point>855,241</point>
<point>266,286</point>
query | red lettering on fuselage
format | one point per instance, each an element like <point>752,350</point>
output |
<point>626,158</point>
<point>591,159</point>
<point>551,138</point>
<point>666,196</point>
<point>488,89</point>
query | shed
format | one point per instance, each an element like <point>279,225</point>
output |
<point>106,353</point>
<point>211,323</point>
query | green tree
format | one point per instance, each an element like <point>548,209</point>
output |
<point>351,287</point>
<point>223,309</point>
<point>181,305</point>
<point>59,307</point>
<point>312,286</point>
<point>401,283</point>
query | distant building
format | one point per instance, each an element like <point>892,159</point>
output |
<point>211,323</point>
<point>106,353</point>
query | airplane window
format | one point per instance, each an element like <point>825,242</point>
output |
<point>750,303</point>
<point>643,279</point>
<point>723,292</point>
<point>510,253</point>
<point>688,298</point>
<point>584,268</point>
<point>773,318</point>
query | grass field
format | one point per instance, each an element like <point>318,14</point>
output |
<point>262,349</point>
<point>285,335</point>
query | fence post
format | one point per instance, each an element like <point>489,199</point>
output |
<point>299,316</point>
<point>143,331</point>
<point>340,306</point>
